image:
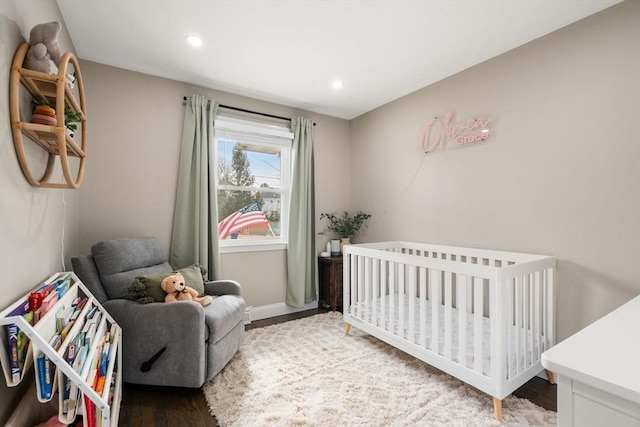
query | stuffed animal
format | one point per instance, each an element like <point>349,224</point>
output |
<point>44,52</point>
<point>176,290</point>
<point>138,291</point>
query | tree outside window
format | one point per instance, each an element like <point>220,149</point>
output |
<point>252,184</point>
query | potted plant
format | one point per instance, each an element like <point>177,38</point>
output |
<point>70,119</point>
<point>345,225</point>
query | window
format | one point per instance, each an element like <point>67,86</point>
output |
<point>253,184</point>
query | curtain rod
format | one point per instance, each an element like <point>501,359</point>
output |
<point>229,107</point>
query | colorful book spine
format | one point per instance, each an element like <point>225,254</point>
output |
<point>90,412</point>
<point>40,365</point>
<point>16,339</point>
<point>12,333</point>
<point>48,302</point>
<point>46,369</point>
<point>23,342</point>
<point>62,286</point>
<point>66,392</point>
<point>35,300</point>
<point>44,376</point>
<point>37,296</point>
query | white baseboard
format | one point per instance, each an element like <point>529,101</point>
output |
<point>273,310</point>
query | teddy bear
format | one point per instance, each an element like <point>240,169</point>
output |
<point>44,52</point>
<point>177,290</point>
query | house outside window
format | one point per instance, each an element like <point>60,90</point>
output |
<point>253,171</point>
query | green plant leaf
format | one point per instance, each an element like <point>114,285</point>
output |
<point>345,225</point>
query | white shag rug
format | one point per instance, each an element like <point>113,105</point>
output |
<point>308,373</point>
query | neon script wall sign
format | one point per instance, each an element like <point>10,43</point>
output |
<point>438,131</point>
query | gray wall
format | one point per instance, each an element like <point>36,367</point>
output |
<point>560,174</point>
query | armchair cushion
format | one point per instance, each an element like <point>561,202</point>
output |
<point>193,276</point>
<point>120,261</point>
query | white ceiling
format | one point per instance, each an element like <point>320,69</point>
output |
<point>290,51</point>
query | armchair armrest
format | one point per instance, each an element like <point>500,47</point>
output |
<point>222,287</point>
<point>179,327</point>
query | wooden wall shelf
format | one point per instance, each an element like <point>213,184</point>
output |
<point>53,139</point>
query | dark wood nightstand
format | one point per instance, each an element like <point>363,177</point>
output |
<point>330,282</point>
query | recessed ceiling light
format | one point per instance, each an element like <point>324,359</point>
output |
<point>337,84</point>
<point>194,40</point>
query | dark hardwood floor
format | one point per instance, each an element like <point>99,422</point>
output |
<point>167,406</point>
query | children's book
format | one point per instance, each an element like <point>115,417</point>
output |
<point>66,392</point>
<point>47,370</point>
<point>38,295</point>
<point>48,302</point>
<point>89,412</point>
<point>18,342</point>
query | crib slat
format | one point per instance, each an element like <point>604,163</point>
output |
<point>367,287</point>
<point>383,294</point>
<point>423,307</point>
<point>538,297</point>
<point>361,300</point>
<point>510,323</point>
<point>412,305</point>
<point>545,309</point>
<point>518,324</point>
<point>447,314</point>
<point>375,284</point>
<point>352,284</point>
<point>496,343</point>
<point>551,308</point>
<point>392,297</point>
<point>435,284</point>
<point>346,289</point>
<point>525,316</point>
<point>461,294</point>
<point>470,293</point>
<point>477,324</point>
<point>530,327</point>
<point>401,299</point>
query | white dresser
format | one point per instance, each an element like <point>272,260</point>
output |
<point>598,371</point>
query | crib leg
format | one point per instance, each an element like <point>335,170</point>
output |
<point>550,377</point>
<point>347,329</point>
<point>497,409</point>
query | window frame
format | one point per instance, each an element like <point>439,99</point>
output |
<point>261,134</point>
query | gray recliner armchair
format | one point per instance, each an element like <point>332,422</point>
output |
<point>178,344</point>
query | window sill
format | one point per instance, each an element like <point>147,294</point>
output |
<point>253,247</point>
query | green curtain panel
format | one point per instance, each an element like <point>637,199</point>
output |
<point>195,221</point>
<point>301,258</point>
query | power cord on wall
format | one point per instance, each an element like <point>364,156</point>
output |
<point>64,220</point>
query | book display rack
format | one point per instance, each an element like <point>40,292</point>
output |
<point>74,346</point>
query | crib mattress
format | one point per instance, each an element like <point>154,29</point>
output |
<point>516,352</point>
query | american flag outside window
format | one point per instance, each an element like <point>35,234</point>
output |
<point>246,217</point>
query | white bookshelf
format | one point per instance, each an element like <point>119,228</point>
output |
<point>106,403</point>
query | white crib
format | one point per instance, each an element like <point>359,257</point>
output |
<point>484,317</point>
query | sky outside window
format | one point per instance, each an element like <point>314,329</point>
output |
<point>264,165</point>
